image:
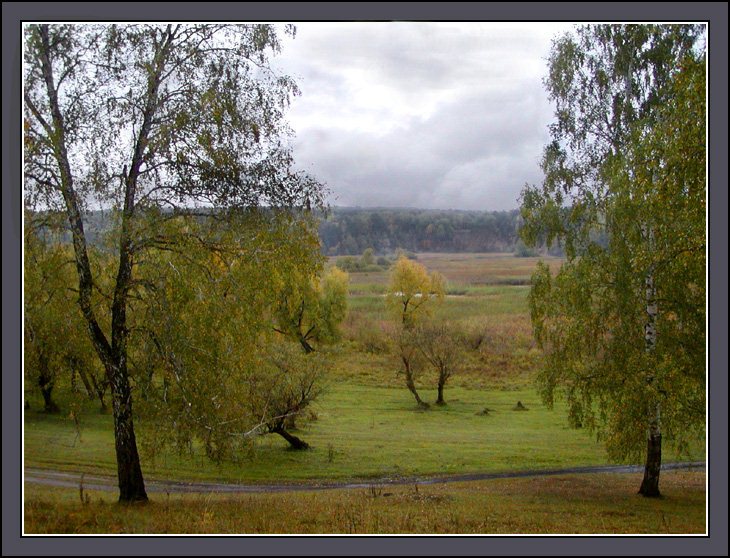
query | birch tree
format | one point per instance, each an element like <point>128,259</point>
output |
<point>153,122</point>
<point>622,323</point>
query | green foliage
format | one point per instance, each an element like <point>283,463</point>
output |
<point>368,257</point>
<point>165,125</point>
<point>366,262</point>
<point>622,323</point>
<point>204,329</point>
<point>412,292</point>
<point>365,413</point>
<point>286,385</point>
<point>523,251</point>
<point>333,304</point>
<point>312,308</point>
<point>56,344</point>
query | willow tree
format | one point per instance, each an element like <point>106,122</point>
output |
<point>56,347</point>
<point>622,323</point>
<point>311,308</point>
<point>47,311</point>
<point>212,374</point>
<point>151,120</point>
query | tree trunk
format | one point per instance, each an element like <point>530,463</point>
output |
<point>45,383</point>
<point>305,345</point>
<point>94,388</point>
<point>650,483</point>
<point>412,385</point>
<point>129,471</point>
<point>440,398</point>
<point>85,380</point>
<point>100,389</point>
<point>295,442</point>
<point>113,356</point>
<point>49,405</point>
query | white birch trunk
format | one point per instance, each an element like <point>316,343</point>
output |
<point>650,483</point>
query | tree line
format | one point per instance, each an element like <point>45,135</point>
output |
<point>346,231</point>
<point>350,231</point>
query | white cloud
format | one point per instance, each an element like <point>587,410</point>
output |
<point>421,114</point>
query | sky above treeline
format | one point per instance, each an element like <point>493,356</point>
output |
<point>428,115</point>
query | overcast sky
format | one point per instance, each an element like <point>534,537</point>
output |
<point>428,115</point>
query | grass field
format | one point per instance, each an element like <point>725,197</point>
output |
<point>366,425</point>
<point>360,432</point>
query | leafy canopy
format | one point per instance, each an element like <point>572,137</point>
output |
<point>311,308</point>
<point>625,191</point>
<point>412,291</point>
<point>209,367</point>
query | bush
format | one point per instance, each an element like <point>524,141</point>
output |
<point>348,263</point>
<point>407,253</point>
<point>366,263</point>
<point>371,337</point>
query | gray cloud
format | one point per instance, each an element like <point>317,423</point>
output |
<point>421,115</point>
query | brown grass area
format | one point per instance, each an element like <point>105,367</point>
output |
<point>570,504</point>
<point>470,268</point>
<point>484,269</point>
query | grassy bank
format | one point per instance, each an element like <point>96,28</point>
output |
<point>599,503</point>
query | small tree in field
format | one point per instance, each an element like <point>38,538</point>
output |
<point>368,257</point>
<point>290,382</point>
<point>442,347</point>
<point>413,292</point>
<point>411,297</point>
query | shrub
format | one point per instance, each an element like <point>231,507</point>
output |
<point>371,337</point>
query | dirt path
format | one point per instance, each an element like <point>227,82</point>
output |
<point>96,482</point>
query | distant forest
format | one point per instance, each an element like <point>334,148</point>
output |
<point>350,231</point>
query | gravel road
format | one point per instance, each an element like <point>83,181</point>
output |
<point>66,479</point>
